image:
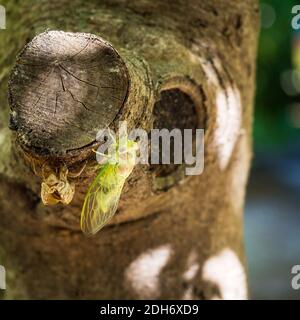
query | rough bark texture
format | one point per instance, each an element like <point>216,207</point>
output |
<point>173,236</point>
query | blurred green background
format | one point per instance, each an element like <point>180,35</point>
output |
<point>272,214</point>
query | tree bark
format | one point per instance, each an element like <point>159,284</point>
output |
<point>163,64</point>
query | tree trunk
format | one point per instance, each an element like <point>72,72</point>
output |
<point>163,64</point>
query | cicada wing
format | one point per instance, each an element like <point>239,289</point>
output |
<point>101,201</point>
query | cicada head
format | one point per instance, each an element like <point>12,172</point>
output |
<point>55,186</point>
<point>127,158</point>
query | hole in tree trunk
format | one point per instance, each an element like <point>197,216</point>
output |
<point>174,109</point>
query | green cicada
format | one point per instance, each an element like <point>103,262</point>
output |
<point>102,198</point>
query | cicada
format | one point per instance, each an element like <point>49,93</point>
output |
<point>103,195</point>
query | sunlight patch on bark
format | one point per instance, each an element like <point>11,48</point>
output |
<point>239,174</point>
<point>226,271</point>
<point>228,122</point>
<point>209,72</point>
<point>143,273</point>
<point>192,267</point>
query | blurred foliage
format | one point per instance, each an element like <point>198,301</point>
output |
<point>272,130</point>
